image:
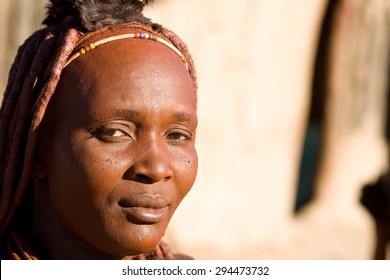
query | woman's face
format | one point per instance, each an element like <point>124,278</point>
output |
<point>118,146</point>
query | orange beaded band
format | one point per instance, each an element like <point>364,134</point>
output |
<point>141,35</point>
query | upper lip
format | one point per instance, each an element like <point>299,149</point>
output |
<point>156,201</point>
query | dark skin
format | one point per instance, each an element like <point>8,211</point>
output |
<point>116,154</point>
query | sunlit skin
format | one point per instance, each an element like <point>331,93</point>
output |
<point>116,154</point>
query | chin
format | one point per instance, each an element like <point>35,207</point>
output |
<point>140,242</point>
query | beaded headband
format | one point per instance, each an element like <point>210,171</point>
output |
<point>137,35</point>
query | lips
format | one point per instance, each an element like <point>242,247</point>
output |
<point>145,208</point>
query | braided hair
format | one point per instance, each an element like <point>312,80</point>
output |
<point>32,81</point>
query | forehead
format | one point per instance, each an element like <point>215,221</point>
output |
<point>126,71</point>
<point>129,58</point>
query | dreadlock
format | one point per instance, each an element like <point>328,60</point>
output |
<point>32,81</point>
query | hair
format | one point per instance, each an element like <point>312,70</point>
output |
<point>32,81</point>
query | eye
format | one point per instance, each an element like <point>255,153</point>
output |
<point>107,134</point>
<point>179,136</point>
<point>114,133</point>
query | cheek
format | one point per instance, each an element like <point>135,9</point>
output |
<point>83,178</point>
<point>187,169</point>
<point>102,169</point>
<point>81,174</point>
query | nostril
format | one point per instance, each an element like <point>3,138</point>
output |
<point>144,179</point>
<point>122,204</point>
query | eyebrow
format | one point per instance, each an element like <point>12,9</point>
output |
<point>113,113</point>
<point>130,114</point>
<point>182,116</point>
<point>125,114</point>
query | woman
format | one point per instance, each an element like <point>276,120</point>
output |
<point>98,125</point>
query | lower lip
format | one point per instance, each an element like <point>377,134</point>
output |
<point>143,215</point>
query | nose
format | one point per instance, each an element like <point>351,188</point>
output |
<point>153,164</point>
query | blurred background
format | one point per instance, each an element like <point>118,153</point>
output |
<point>293,119</point>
